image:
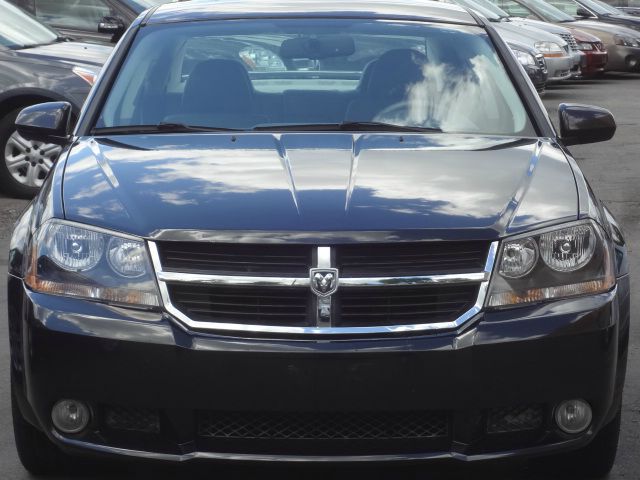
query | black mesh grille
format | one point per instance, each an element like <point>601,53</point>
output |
<point>248,305</point>
<point>403,305</point>
<point>515,419</point>
<point>322,426</point>
<point>132,419</point>
<point>236,259</point>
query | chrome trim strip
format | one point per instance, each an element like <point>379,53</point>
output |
<point>202,279</point>
<point>251,457</point>
<point>205,279</point>
<point>324,257</point>
<point>417,280</point>
<point>483,277</point>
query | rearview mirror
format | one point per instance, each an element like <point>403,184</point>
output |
<point>318,48</point>
<point>45,122</point>
<point>583,13</point>
<point>581,124</point>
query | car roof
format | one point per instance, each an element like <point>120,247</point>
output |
<point>421,10</point>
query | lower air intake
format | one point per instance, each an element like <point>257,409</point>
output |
<point>323,425</point>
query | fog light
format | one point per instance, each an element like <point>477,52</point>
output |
<point>70,416</point>
<point>573,416</point>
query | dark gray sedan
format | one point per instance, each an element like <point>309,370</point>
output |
<point>36,65</point>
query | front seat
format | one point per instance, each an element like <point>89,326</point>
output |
<point>219,93</point>
<point>389,80</point>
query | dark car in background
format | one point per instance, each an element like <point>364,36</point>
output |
<point>37,64</point>
<point>320,232</point>
<point>88,20</point>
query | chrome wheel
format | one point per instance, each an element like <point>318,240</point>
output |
<point>27,161</point>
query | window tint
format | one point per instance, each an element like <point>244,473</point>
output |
<point>249,74</point>
<point>76,14</point>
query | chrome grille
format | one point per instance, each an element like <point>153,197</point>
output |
<point>267,288</point>
<point>570,39</point>
<point>322,425</point>
<point>541,62</point>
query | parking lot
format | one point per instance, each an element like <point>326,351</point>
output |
<point>613,169</point>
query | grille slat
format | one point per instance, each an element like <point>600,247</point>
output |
<point>570,39</point>
<point>322,425</point>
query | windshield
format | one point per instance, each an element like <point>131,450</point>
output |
<point>488,11</point>
<point>20,30</point>
<point>533,9</point>
<point>602,8</point>
<point>261,74</point>
<point>547,11</point>
<point>491,7</point>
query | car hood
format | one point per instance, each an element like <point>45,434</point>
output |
<point>511,31</point>
<point>547,27</point>
<point>435,186</point>
<point>610,28</point>
<point>72,53</point>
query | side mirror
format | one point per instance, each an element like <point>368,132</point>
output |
<point>583,13</point>
<point>45,122</point>
<point>111,25</point>
<point>581,124</point>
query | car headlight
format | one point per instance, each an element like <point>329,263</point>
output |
<point>524,58</point>
<point>553,263</point>
<point>550,49</point>
<point>81,261</point>
<point>625,41</point>
<point>586,46</point>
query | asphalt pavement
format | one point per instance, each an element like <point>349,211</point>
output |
<point>613,168</point>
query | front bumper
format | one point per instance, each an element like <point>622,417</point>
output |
<point>594,62</point>
<point>538,77</point>
<point>559,68</point>
<point>502,361</point>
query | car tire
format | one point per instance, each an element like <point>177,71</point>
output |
<point>30,161</point>
<point>37,453</point>
<point>594,461</point>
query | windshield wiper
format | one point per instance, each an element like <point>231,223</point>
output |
<point>164,127</point>
<point>344,126</point>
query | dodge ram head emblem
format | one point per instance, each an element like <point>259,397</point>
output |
<point>324,281</point>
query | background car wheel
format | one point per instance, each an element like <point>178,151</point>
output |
<point>591,462</point>
<point>25,163</point>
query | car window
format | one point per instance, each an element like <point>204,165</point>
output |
<point>20,30</point>
<point>76,14</point>
<point>251,74</point>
